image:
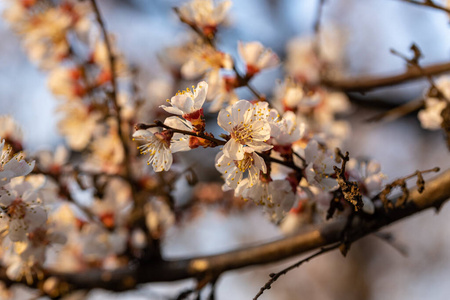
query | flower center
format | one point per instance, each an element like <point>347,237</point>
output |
<point>17,209</point>
<point>242,133</point>
<point>245,163</point>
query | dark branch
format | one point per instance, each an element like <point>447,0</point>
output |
<point>435,194</point>
<point>428,3</point>
<point>370,83</point>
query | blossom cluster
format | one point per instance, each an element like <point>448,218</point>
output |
<point>273,154</point>
<point>96,198</point>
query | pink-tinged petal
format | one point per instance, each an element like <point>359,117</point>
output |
<point>373,168</point>
<point>178,123</point>
<point>17,168</point>
<point>259,163</point>
<point>268,60</point>
<point>16,231</point>
<point>4,221</point>
<point>260,146</point>
<point>14,271</point>
<point>193,69</point>
<point>35,217</point>
<point>143,134</point>
<point>167,160</point>
<point>7,198</point>
<point>224,120</point>
<point>369,207</point>
<point>221,10</point>
<point>225,165</point>
<point>311,151</point>
<point>233,150</point>
<point>329,184</point>
<point>239,110</point>
<point>373,184</point>
<point>179,145</point>
<point>250,52</point>
<point>183,102</point>
<point>172,110</point>
<point>200,95</point>
<point>61,155</point>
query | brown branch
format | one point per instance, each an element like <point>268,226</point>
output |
<point>370,83</point>
<point>428,3</point>
<point>216,141</point>
<point>434,195</point>
<point>114,99</point>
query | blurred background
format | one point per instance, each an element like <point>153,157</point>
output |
<point>372,269</point>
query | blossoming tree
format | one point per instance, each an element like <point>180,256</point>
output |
<point>280,152</point>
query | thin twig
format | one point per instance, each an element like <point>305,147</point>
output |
<point>275,276</point>
<point>217,142</point>
<point>317,27</point>
<point>117,108</point>
<point>191,133</point>
<point>428,3</point>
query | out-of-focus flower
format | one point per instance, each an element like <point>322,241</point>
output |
<point>221,90</point>
<point>248,126</point>
<point>256,57</point>
<point>189,104</point>
<point>430,117</point>
<point>285,130</point>
<point>107,151</point>
<point>78,123</point>
<point>233,170</point>
<point>306,64</point>
<point>370,180</point>
<point>66,82</point>
<point>12,166</point>
<point>53,161</point>
<point>11,132</point>
<point>115,205</point>
<point>158,217</point>
<point>203,59</point>
<point>320,167</point>
<point>204,14</point>
<point>161,145</point>
<point>276,196</point>
<point>21,211</point>
<point>100,57</point>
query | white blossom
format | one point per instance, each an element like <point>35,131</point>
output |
<point>248,126</point>
<point>370,179</point>
<point>78,123</point>
<point>204,14</point>
<point>320,167</point>
<point>234,171</point>
<point>12,166</point>
<point>21,210</point>
<point>187,102</point>
<point>161,145</point>
<point>276,196</point>
<point>256,57</point>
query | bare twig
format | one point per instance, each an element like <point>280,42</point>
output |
<point>114,99</point>
<point>275,276</point>
<point>428,3</point>
<point>266,157</point>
